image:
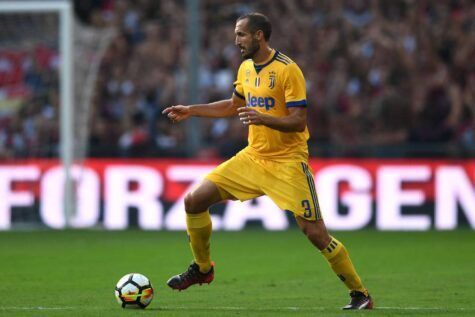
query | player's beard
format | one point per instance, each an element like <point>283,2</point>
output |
<point>251,51</point>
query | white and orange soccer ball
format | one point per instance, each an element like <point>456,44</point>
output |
<point>134,290</point>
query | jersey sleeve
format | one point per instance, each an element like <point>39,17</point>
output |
<point>238,89</point>
<point>294,87</point>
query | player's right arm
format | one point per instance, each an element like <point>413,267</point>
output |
<point>218,109</point>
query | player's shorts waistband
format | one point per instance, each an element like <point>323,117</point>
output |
<point>275,158</point>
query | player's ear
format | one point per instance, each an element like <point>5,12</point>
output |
<point>259,35</point>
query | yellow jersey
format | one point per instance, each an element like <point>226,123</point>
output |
<point>271,88</point>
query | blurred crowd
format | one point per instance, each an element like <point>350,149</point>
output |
<point>29,85</point>
<point>384,78</point>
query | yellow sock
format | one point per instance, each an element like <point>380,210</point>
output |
<point>199,232</point>
<point>339,260</point>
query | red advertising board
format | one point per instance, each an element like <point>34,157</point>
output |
<point>353,194</point>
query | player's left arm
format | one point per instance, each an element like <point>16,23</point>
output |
<point>295,121</point>
<point>296,102</point>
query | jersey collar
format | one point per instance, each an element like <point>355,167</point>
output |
<point>259,67</point>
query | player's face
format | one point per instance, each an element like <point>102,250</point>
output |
<point>245,40</point>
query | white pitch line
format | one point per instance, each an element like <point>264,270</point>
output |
<point>425,308</point>
<point>240,308</point>
<point>35,308</point>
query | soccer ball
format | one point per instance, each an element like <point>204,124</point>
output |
<point>134,290</point>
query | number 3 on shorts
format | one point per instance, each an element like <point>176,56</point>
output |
<point>308,209</point>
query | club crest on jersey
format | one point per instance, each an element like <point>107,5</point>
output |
<point>272,79</point>
<point>253,101</point>
<point>257,81</point>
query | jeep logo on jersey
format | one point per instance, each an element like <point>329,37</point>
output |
<point>252,101</point>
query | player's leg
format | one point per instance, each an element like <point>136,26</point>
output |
<point>198,221</point>
<point>198,224</point>
<point>292,188</point>
<point>233,179</point>
<point>339,260</point>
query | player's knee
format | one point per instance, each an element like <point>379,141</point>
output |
<point>318,237</point>
<point>189,203</point>
<point>312,234</point>
<point>194,205</point>
<point>319,240</point>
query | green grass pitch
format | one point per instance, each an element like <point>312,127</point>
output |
<point>258,273</point>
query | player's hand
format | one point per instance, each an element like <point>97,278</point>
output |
<point>177,113</point>
<point>250,116</point>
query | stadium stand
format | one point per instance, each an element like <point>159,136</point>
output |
<point>385,78</point>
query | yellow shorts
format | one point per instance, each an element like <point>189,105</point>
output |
<point>289,184</point>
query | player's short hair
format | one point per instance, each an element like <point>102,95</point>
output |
<point>258,21</point>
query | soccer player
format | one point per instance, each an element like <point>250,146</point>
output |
<point>270,98</point>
